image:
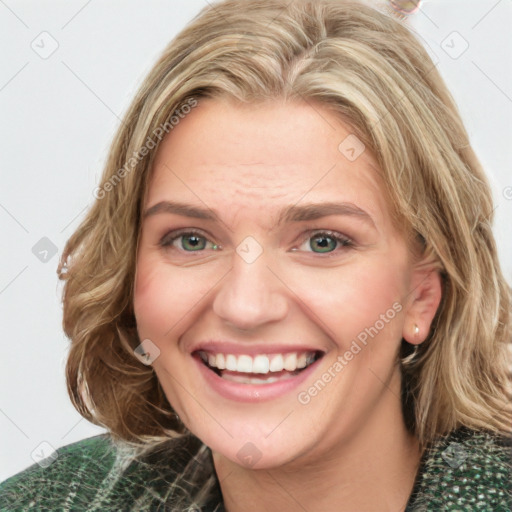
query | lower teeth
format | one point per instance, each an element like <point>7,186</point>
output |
<point>242,379</point>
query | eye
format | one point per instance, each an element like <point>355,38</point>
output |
<point>325,242</point>
<point>187,241</point>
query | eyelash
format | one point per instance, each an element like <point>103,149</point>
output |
<point>342,240</point>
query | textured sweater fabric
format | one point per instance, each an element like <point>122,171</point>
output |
<point>465,471</point>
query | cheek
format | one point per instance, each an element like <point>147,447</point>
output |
<point>165,296</point>
<point>158,300</point>
<point>350,301</point>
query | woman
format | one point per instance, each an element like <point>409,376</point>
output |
<point>287,294</point>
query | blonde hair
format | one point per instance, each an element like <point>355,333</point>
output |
<point>370,70</point>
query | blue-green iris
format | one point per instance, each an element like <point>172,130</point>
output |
<point>328,243</point>
<point>198,244</point>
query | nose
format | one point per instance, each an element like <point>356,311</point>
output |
<point>250,295</point>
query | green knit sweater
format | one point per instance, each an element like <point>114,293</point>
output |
<point>465,471</point>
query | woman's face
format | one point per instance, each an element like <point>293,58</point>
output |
<point>267,244</point>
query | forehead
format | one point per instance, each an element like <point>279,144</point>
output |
<point>260,157</point>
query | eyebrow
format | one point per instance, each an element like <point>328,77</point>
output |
<point>294,213</point>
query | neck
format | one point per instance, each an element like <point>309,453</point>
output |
<point>373,471</point>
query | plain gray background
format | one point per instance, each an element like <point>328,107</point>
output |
<point>68,72</point>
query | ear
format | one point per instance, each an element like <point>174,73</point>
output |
<point>424,299</point>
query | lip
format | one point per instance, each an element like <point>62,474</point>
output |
<point>252,348</point>
<point>252,392</point>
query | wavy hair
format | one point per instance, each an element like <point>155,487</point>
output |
<point>371,71</point>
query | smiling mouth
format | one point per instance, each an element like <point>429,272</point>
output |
<point>258,369</point>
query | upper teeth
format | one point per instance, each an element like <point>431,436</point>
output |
<point>261,363</point>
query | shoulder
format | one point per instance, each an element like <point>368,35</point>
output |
<point>70,466</point>
<point>466,470</point>
<point>100,474</point>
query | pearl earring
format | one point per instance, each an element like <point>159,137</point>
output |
<point>416,329</point>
